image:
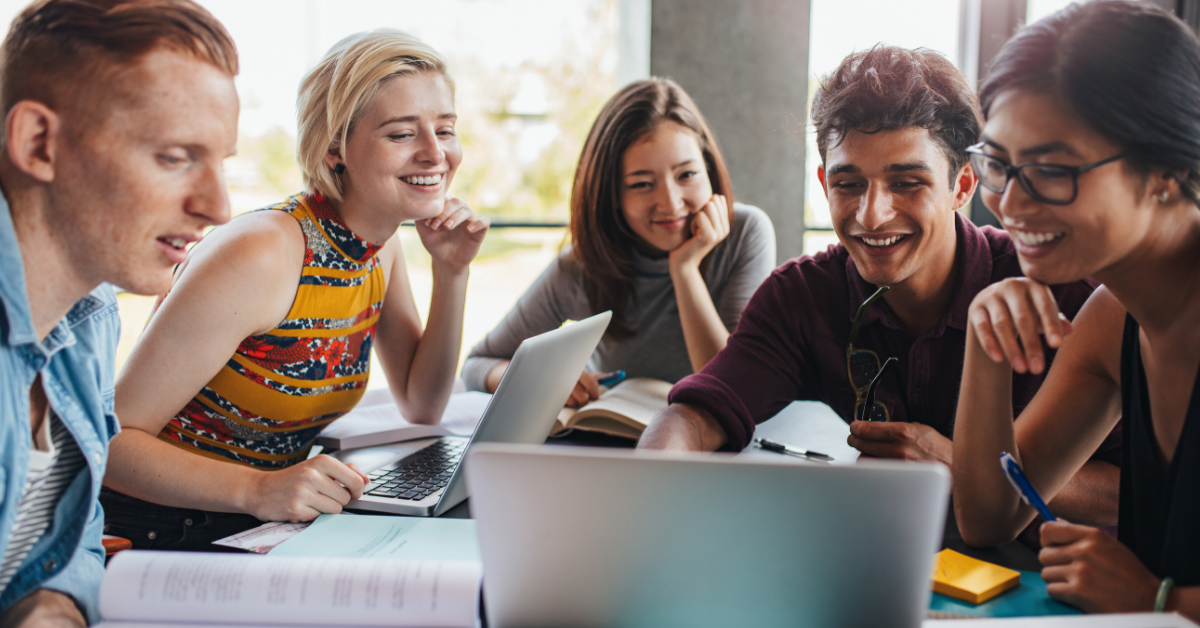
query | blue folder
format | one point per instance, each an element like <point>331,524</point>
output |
<point>1027,600</point>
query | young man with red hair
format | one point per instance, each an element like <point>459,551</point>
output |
<point>119,114</point>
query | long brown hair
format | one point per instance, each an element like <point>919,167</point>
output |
<point>602,241</point>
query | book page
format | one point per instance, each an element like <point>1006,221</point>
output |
<point>637,400</point>
<point>150,586</point>
<point>385,536</point>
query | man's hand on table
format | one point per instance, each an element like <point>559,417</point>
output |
<point>44,608</point>
<point>902,441</point>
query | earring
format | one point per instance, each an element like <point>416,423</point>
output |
<point>339,169</point>
<point>1164,197</point>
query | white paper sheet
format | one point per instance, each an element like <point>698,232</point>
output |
<point>1123,620</point>
<point>146,586</point>
<point>264,538</point>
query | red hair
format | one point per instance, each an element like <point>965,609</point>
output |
<point>59,51</point>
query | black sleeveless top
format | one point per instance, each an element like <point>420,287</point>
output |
<point>1160,506</point>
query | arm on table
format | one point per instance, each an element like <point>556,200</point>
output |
<point>683,427</point>
<point>1075,409</point>
<point>238,282</point>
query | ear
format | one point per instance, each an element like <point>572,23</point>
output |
<point>964,185</point>
<point>333,156</point>
<point>821,178</point>
<point>31,132</point>
<point>1165,181</point>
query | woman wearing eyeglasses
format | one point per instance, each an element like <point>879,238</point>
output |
<point>1091,160</point>
<point>655,237</point>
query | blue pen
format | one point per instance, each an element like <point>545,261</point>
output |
<point>1017,478</point>
<point>610,378</point>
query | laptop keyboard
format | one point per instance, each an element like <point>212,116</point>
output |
<point>420,474</point>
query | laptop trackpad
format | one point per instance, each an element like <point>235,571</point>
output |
<point>369,459</point>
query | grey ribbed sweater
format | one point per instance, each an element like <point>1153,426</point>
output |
<point>737,266</point>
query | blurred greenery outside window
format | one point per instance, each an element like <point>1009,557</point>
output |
<point>530,76</point>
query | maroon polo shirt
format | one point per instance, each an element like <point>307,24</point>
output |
<point>791,342</point>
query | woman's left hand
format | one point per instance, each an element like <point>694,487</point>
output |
<point>709,226</point>
<point>453,237</point>
<point>1087,568</point>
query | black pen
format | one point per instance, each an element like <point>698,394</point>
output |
<point>780,448</point>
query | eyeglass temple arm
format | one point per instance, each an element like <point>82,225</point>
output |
<point>862,310</point>
<point>869,401</point>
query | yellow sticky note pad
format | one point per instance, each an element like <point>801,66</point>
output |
<point>974,581</point>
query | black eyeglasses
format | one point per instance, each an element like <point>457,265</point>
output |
<point>865,370</point>
<point>1054,184</point>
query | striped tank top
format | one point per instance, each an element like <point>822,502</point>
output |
<point>268,402</point>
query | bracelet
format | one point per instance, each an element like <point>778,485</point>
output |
<point>1164,591</point>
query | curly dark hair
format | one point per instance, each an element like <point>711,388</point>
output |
<point>888,88</point>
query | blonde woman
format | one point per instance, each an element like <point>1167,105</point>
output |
<point>266,334</point>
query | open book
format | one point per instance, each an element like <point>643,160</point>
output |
<point>377,421</point>
<point>624,410</point>
<point>149,588</point>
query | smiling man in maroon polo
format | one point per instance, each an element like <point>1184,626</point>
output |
<point>893,126</point>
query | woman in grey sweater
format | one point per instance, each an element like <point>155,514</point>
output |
<point>655,237</point>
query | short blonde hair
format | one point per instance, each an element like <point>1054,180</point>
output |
<point>335,93</point>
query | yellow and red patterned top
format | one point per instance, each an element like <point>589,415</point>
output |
<point>267,404</point>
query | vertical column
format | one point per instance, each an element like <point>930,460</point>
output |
<point>986,26</point>
<point>745,62</point>
<point>633,41</point>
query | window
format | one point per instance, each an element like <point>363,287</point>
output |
<point>1038,9</point>
<point>531,76</point>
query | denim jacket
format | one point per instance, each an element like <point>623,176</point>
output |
<point>76,362</point>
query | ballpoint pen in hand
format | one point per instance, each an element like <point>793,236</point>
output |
<point>780,448</point>
<point>610,378</point>
<point>1024,487</point>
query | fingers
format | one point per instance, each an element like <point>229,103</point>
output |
<point>589,383</point>
<point>343,482</point>
<point>702,225</point>
<point>875,431</point>
<point>448,220</point>
<point>985,332</point>
<point>720,214</point>
<point>1005,334</point>
<point>479,225</point>
<point>366,480</point>
<point>1025,319</point>
<point>454,213</point>
<point>1009,319</point>
<point>878,449</point>
<point>579,396</point>
<point>1056,533</point>
<point>1050,319</point>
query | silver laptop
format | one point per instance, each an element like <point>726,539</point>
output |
<point>425,477</point>
<point>590,537</point>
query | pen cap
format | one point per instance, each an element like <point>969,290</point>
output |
<point>1011,468</point>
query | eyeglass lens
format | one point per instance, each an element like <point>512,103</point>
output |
<point>1047,182</point>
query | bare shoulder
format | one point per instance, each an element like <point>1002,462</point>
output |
<point>252,264</point>
<point>1097,332</point>
<point>263,243</point>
